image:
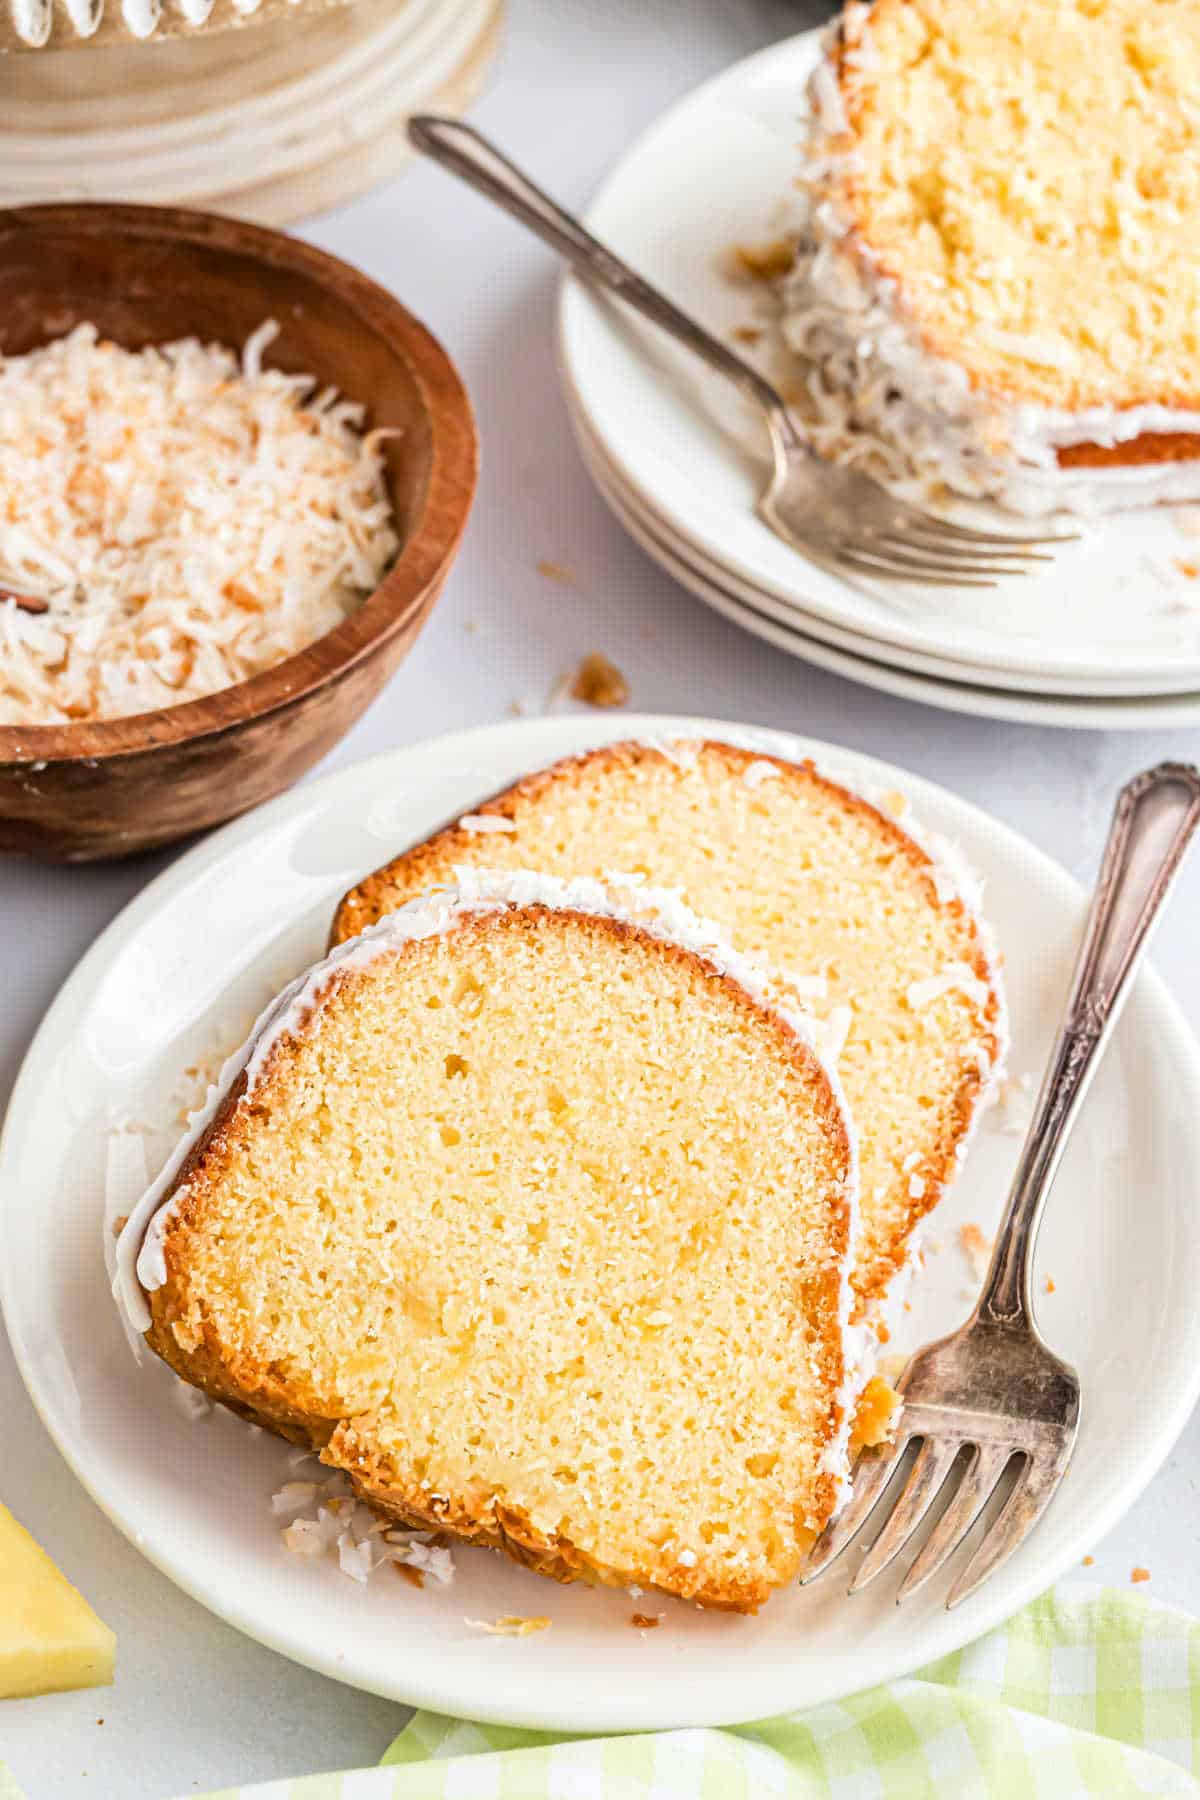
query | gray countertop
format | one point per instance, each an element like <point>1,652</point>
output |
<point>196,1706</point>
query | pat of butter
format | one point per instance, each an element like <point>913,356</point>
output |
<point>50,1638</point>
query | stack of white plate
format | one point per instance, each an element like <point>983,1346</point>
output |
<point>1107,634</point>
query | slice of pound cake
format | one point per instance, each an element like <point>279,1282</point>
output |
<point>876,929</point>
<point>1000,275</point>
<point>532,1211</point>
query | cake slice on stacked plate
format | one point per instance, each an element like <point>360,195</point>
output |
<point>1002,265</point>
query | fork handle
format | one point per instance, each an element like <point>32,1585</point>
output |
<point>1156,814</point>
<point>477,161</point>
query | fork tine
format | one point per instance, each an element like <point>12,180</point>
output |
<point>871,1476</point>
<point>1036,1487</point>
<point>897,549</point>
<point>920,1490</point>
<point>891,571</point>
<point>952,557</point>
<point>913,515</point>
<point>974,1490</point>
<point>898,555</point>
<point>985,556</point>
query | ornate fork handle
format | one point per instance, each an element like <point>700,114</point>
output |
<point>1155,817</point>
<point>469,155</point>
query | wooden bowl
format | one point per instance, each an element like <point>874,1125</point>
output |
<point>144,275</point>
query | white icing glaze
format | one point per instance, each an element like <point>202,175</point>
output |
<point>955,976</point>
<point>125,1178</point>
<point>878,393</point>
<point>140,1258</point>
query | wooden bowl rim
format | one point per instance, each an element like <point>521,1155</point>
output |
<point>432,540</point>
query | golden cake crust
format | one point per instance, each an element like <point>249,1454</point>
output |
<point>431,863</point>
<point>188,1343</point>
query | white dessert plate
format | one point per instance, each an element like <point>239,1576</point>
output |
<point>720,170</point>
<point>1115,696</point>
<point>824,647</point>
<point>173,979</point>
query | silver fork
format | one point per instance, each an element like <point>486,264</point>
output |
<point>993,1392</point>
<point>835,513</point>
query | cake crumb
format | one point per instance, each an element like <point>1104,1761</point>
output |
<point>1050,1287</point>
<point>976,1246</point>
<point>509,1625</point>
<point>556,571</point>
<point>645,1621</point>
<point>1139,1574</point>
<point>746,334</point>
<point>765,262</point>
<point>1190,569</point>
<point>1088,1561</point>
<point>413,1576</point>
<point>598,682</point>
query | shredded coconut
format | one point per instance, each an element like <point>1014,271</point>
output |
<point>1014,1109</point>
<point>326,1519</point>
<point>755,773</point>
<point>833,1031</point>
<point>479,824</point>
<point>954,975</point>
<point>190,1401</point>
<point>808,987</point>
<point>509,1625</point>
<point>180,519</point>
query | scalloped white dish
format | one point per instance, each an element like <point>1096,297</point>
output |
<point>177,973</point>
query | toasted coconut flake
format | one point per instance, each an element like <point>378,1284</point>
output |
<point>186,520</point>
<point>509,1625</point>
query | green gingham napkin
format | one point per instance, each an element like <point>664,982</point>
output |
<point>1087,1692</point>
